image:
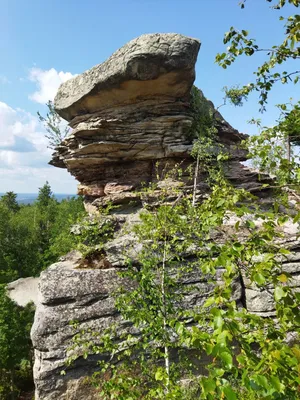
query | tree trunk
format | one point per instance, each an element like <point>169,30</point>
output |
<point>288,149</point>
<point>12,385</point>
<point>166,348</point>
<point>195,180</point>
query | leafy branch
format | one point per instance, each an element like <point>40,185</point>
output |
<point>240,44</point>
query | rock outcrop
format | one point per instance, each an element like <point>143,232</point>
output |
<point>133,111</point>
<point>69,293</point>
<point>132,119</point>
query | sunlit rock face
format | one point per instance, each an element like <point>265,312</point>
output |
<point>129,113</point>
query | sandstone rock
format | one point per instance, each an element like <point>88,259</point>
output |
<point>261,301</point>
<point>151,65</point>
<point>131,112</point>
<point>68,294</point>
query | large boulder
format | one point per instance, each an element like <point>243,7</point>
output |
<point>150,66</point>
<point>69,294</point>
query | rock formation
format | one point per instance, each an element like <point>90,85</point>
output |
<point>132,118</point>
<point>130,112</point>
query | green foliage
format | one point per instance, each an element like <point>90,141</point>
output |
<point>248,351</point>
<point>203,116</point>
<point>31,237</point>
<point>289,123</point>
<point>250,356</point>
<point>9,199</point>
<point>247,356</point>
<point>73,229</point>
<point>271,151</point>
<point>45,195</point>
<point>94,232</point>
<point>278,6</point>
<point>236,95</point>
<point>268,73</point>
<point>55,126</point>
<point>15,344</point>
<point>62,240</point>
<point>19,244</point>
<point>36,235</point>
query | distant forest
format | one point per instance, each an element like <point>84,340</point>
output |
<point>32,236</point>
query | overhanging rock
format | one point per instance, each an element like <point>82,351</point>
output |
<point>150,66</point>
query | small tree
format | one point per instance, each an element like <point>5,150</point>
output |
<point>272,150</point>
<point>55,126</point>
<point>45,216</point>
<point>10,200</point>
<point>45,195</point>
<point>246,356</point>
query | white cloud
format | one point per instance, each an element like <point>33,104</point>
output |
<point>24,155</point>
<point>47,81</point>
<point>18,126</point>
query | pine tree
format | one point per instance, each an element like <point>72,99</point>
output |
<point>10,200</point>
<point>45,195</point>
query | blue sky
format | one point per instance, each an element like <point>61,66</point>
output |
<point>43,43</point>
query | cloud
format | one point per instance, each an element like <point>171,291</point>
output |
<point>24,155</point>
<point>47,81</point>
<point>20,144</point>
<point>21,131</point>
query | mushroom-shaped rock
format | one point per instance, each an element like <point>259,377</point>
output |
<point>131,112</point>
<point>151,65</point>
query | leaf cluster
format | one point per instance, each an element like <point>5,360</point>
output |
<point>266,75</point>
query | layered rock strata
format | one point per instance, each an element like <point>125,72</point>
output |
<point>132,121</point>
<point>132,112</point>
